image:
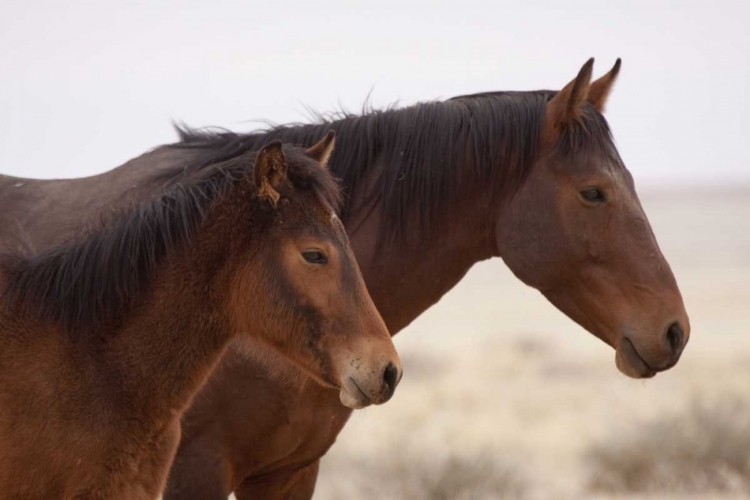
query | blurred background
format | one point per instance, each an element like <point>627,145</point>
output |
<point>504,397</point>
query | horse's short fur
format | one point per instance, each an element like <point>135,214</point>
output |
<point>104,339</point>
<point>429,190</point>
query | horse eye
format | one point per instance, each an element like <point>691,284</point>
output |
<point>314,257</point>
<point>593,194</point>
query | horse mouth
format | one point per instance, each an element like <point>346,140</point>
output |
<point>630,363</point>
<point>365,397</point>
<point>352,396</point>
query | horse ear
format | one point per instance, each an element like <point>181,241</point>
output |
<point>566,105</point>
<point>321,151</point>
<point>270,171</point>
<point>600,89</point>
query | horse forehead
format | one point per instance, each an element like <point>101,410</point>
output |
<point>615,168</point>
<point>606,163</point>
<point>337,225</point>
<point>324,222</point>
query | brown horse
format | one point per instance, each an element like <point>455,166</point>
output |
<point>105,339</point>
<point>531,177</point>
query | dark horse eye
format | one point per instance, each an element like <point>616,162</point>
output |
<point>314,257</point>
<point>593,194</point>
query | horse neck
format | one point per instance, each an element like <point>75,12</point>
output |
<point>168,347</point>
<point>406,280</point>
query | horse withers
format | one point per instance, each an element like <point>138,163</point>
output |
<point>105,339</point>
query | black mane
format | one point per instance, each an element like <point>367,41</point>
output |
<point>425,151</point>
<point>93,280</point>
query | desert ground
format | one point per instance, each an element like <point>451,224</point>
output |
<point>505,397</point>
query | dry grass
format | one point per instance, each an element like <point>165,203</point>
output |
<point>406,476</point>
<point>704,449</point>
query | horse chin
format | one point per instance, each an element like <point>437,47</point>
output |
<point>630,363</point>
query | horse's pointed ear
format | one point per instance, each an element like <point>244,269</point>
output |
<point>321,151</point>
<point>600,89</point>
<point>270,171</point>
<point>566,105</point>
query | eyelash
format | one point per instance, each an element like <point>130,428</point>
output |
<point>315,257</point>
<point>594,195</point>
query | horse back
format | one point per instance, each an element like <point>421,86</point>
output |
<point>37,213</point>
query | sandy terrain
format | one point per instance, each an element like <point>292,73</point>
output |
<point>503,396</point>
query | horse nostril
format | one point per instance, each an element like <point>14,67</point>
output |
<point>674,337</point>
<point>390,377</point>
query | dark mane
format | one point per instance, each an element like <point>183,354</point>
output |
<point>93,280</point>
<point>426,151</point>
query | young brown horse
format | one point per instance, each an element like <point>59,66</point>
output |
<point>104,340</point>
<point>531,177</point>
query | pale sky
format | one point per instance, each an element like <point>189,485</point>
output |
<point>85,87</point>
